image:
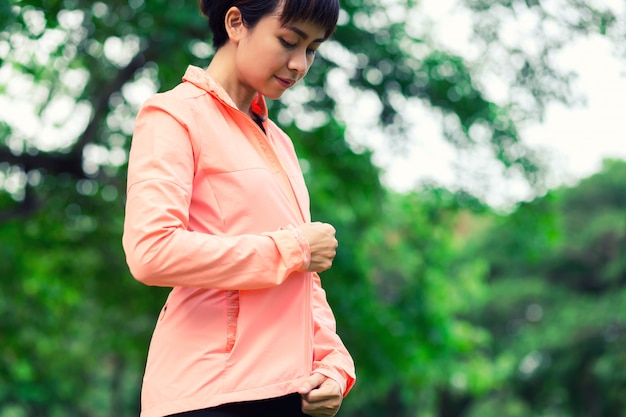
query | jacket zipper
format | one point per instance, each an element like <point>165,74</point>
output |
<point>308,308</point>
<point>271,155</point>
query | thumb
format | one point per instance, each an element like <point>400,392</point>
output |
<point>312,382</point>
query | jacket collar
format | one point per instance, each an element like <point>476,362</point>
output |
<point>199,77</point>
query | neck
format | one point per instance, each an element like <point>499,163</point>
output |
<point>222,70</point>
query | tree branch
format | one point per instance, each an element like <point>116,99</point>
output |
<point>52,163</point>
<point>101,104</point>
<point>56,163</point>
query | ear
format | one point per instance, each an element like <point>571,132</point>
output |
<point>233,22</point>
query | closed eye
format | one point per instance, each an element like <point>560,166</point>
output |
<point>286,44</point>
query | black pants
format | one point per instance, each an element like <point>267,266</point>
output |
<point>287,406</point>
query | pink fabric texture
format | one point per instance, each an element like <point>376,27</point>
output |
<point>210,198</point>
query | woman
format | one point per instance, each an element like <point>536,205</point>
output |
<point>217,209</point>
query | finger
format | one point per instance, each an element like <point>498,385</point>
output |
<point>328,390</point>
<point>321,408</point>
<point>312,382</point>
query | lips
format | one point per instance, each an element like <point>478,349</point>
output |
<point>285,82</point>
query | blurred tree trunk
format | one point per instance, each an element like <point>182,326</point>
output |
<point>394,406</point>
<point>451,404</point>
<point>117,375</point>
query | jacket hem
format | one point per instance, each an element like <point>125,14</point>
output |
<point>200,402</point>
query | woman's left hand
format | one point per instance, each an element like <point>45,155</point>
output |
<point>321,396</point>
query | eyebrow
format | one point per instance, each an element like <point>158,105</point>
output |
<point>303,34</point>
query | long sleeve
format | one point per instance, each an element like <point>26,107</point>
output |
<point>160,248</point>
<point>330,356</point>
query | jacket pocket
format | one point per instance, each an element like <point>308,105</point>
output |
<point>232,316</point>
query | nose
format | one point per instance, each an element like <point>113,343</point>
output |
<point>299,63</point>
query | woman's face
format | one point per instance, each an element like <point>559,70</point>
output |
<point>272,57</point>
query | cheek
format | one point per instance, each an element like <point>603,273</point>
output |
<point>256,61</point>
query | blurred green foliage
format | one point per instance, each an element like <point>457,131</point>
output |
<point>557,294</point>
<point>450,307</point>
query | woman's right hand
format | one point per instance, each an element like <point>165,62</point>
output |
<point>323,244</point>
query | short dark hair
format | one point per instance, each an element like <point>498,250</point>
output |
<point>323,13</point>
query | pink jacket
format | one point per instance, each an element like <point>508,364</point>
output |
<point>209,196</point>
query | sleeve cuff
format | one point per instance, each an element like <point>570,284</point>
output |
<point>305,249</point>
<point>338,376</point>
<point>289,248</point>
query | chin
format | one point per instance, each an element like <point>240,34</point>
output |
<point>274,95</point>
